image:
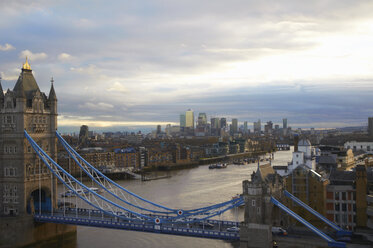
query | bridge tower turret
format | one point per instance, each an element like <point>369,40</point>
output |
<point>256,230</point>
<point>26,185</point>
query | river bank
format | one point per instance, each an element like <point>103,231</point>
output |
<point>203,161</point>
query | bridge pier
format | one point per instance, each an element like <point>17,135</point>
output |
<point>255,235</point>
<point>20,231</point>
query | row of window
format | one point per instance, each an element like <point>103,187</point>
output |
<point>344,196</point>
<point>10,193</point>
<point>46,148</point>
<point>39,119</point>
<point>361,147</point>
<point>343,207</point>
<point>8,119</point>
<point>35,170</point>
<point>10,172</point>
<point>343,218</point>
<point>10,149</point>
<point>10,210</point>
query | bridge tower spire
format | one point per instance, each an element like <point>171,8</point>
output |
<point>256,230</point>
<point>26,185</point>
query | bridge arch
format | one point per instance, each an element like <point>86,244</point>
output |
<point>39,199</point>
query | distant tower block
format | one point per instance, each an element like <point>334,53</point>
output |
<point>21,172</point>
<point>370,126</point>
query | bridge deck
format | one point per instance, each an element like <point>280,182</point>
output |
<point>219,231</point>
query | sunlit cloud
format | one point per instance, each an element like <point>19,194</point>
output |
<point>6,47</point>
<point>96,106</point>
<point>64,57</point>
<point>32,56</point>
<point>117,87</point>
<point>90,69</point>
<point>77,121</point>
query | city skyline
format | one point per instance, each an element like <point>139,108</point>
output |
<point>145,63</point>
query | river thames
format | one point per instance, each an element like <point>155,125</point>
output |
<point>188,188</point>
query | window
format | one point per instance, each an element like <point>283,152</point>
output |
<point>344,218</point>
<point>336,196</point>
<point>10,172</point>
<point>253,203</point>
<point>336,217</point>
<point>258,210</point>
<point>344,207</point>
<point>344,196</point>
<point>336,207</point>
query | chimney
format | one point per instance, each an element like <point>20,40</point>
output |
<point>296,140</point>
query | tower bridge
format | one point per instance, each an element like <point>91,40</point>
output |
<point>29,174</point>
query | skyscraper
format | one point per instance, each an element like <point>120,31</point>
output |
<point>202,119</point>
<point>284,123</point>
<point>370,126</point>
<point>245,130</point>
<point>215,126</point>
<point>223,122</point>
<point>83,136</point>
<point>215,122</point>
<point>182,120</point>
<point>234,125</point>
<point>212,120</point>
<point>268,127</point>
<point>201,128</point>
<point>159,129</point>
<point>257,126</point>
<point>189,118</point>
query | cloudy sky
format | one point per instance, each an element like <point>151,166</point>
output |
<point>133,63</point>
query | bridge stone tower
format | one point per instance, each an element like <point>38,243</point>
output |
<point>26,185</point>
<point>256,230</point>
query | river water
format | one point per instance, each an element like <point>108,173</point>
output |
<point>188,188</point>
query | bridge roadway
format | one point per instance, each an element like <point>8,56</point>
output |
<point>215,229</point>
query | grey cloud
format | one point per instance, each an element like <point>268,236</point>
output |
<point>136,44</point>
